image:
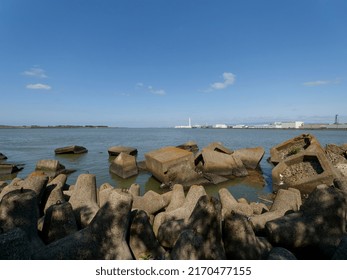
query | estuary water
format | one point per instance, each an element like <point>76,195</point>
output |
<point>28,146</point>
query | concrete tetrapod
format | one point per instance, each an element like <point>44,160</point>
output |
<point>103,239</point>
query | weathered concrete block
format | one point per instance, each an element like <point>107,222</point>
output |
<point>177,198</point>
<point>8,168</point>
<point>172,165</point>
<point>222,164</point>
<point>279,253</point>
<point>15,245</point>
<point>54,192</point>
<point>285,200</point>
<point>124,166</point>
<point>103,193</point>
<point>320,224</point>
<point>188,246</point>
<point>240,242</point>
<point>218,147</point>
<point>183,212</point>
<point>294,146</point>
<point>71,150</point>
<point>303,171</point>
<point>84,199</point>
<point>19,209</point>
<point>134,189</point>
<point>103,239</point>
<point>250,157</point>
<point>116,150</point>
<point>190,146</point>
<point>151,202</point>
<point>230,204</point>
<point>143,242</point>
<point>51,167</point>
<point>59,222</point>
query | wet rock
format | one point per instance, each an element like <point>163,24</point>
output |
<point>19,209</point>
<point>116,150</point>
<point>8,168</point>
<point>279,253</point>
<point>240,241</point>
<point>143,242</point>
<point>59,222</point>
<point>2,156</point>
<point>15,245</point>
<point>51,167</point>
<point>103,239</point>
<point>84,199</point>
<point>222,164</point>
<point>172,165</point>
<point>250,157</point>
<point>316,229</point>
<point>71,150</point>
<point>124,166</point>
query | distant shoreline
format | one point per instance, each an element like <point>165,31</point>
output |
<point>52,126</point>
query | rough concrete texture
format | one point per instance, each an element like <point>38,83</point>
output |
<point>285,200</point>
<point>124,166</point>
<point>320,224</point>
<point>103,239</point>
<point>15,245</point>
<point>51,167</point>
<point>183,212</point>
<point>222,164</point>
<point>54,192</point>
<point>293,146</point>
<point>177,198</point>
<point>71,150</point>
<point>304,171</point>
<point>250,157</point>
<point>103,193</point>
<point>172,165</point>
<point>143,242</point>
<point>190,146</point>
<point>116,150</point>
<point>230,204</point>
<point>218,147</point>
<point>84,199</point>
<point>19,209</point>
<point>240,241</point>
<point>59,222</point>
<point>151,202</point>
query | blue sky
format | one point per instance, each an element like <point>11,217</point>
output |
<point>155,63</point>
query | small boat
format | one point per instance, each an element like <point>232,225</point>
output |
<point>71,150</point>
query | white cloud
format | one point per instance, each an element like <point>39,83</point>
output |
<point>39,86</point>
<point>156,91</point>
<point>35,72</point>
<point>151,89</point>
<point>321,83</point>
<point>229,79</point>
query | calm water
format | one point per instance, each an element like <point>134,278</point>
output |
<point>27,146</point>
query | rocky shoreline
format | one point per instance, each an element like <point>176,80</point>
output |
<point>43,218</point>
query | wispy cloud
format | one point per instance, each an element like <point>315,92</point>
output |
<point>151,89</point>
<point>39,86</point>
<point>228,80</point>
<point>321,83</point>
<point>35,72</point>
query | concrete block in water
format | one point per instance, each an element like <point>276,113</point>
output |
<point>116,150</point>
<point>71,150</point>
<point>250,157</point>
<point>124,166</point>
<point>172,165</point>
